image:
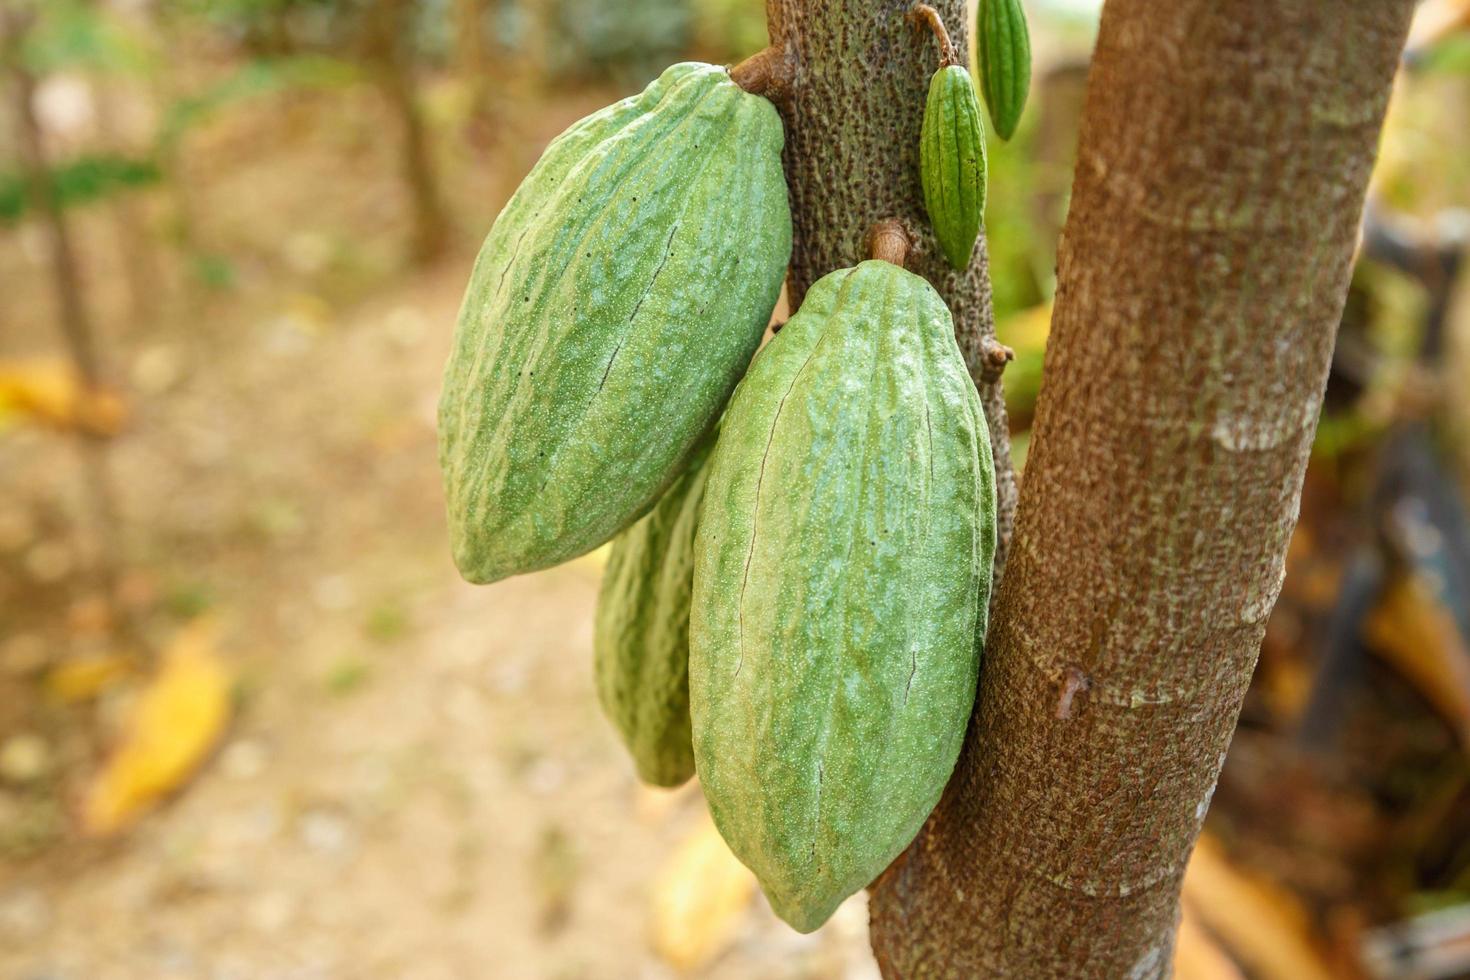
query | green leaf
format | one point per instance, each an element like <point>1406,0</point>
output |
<point>1449,57</point>
<point>71,35</point>
<point>256,79</point>
<point>79,181</point>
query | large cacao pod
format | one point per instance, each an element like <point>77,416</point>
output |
<point>640,637</point>
<point>1004,45</point>
<point>614,305</point>
<point>841,578</point>
<point>952,163</point>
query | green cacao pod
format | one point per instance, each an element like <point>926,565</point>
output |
<point>1004,44</point>
<point>841,578</point>
<point>952,163</point>
<point>614,305</point>
<point>640,637</point>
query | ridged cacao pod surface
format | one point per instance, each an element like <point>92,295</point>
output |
<point>640,636</point>
<point>841,579</point>
<point>614,305</point>
<point>952,163</point>
<point>1004,46</point>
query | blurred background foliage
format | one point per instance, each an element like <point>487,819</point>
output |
<point>251,724</point>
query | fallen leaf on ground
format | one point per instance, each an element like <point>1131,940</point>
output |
<point>169,730</point>
<point>1197,956</point>
<point>1435,20</point>
<point>1262,924</point>
<point>83,678</point>
<point>1420,638</point>
<point>49,392</point>
<point>700,898</point>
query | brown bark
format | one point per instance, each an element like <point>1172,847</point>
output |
<point>856,73</point>
<point>1224,155</point>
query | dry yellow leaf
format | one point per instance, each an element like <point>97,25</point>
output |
<point>86,677</point>
<point>1260,922</point>
<point>1420,637</point>
<point>700,898</point>
<point>1028,329</point>
<point>1196,954</point>
<point>170,729</point>
<point>49,392</point>
<point>1435,20</point>
<point>310,311</point>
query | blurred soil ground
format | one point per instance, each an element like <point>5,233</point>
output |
<point>417,781</point>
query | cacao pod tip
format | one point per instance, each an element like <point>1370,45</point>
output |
<point>473,567</point>
<point>664,778</point>
<point>640,635</point>
<point>799,917</point>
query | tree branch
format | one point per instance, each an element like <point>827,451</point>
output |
<point>1224,156</point>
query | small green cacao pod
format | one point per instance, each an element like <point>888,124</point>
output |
<point>640,637</point>
<point>841,577</point>
<point>1004,45</point>
<point>614,305</point>
<point>952,163</point>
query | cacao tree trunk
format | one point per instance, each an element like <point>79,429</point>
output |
<point>1223,160</point>
<point>857,73</point>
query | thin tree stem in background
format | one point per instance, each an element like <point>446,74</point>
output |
<point>1222,165</point>
<point>469,52</point>
<point>75,324</point>
<point>391,51</point>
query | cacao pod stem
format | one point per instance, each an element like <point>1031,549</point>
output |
<point>766,73</point>
<point>889,242</point>
<point>924,15</point>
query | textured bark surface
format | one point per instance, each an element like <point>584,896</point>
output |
<point>1224,155</point>
<point>853,104</point>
